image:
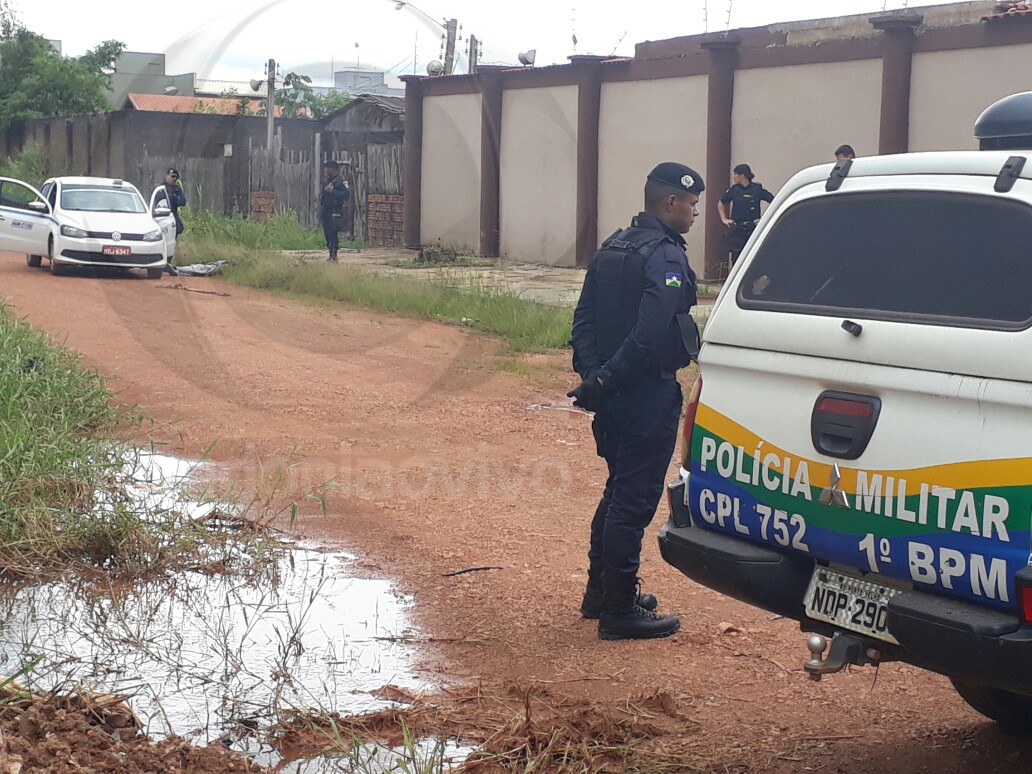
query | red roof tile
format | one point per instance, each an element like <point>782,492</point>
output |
<point>163,103</point>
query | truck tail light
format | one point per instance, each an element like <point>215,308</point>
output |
<point>689,422</point>
<point>1026,603</point>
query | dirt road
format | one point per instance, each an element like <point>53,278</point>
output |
<point>444,460</point>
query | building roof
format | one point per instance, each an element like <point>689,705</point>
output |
<point>389,104</point>
<point>393,105</point>
<point>217,88</point>
<point>162,103</point>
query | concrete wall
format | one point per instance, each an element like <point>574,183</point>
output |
<point>950,89</point>
<point>789,118</point>
<point>538,201</point>
<point>451,171</point>
<point>643,123</point>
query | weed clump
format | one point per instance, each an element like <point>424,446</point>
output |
<point>526,326</point>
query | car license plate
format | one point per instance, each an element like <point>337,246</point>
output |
<point>116,250</point>
<point>851,603</point>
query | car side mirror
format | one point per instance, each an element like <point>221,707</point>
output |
<point>39,206</point>
<point>160,212</point>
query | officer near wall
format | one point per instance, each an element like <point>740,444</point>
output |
<point>739,209</point>
<point>632,331</point>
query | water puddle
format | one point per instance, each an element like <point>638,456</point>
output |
<point>206,656</point>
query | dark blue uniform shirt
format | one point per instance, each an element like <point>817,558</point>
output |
<point>745,201</point>
<point>669,290</point>
<point>332,202</point>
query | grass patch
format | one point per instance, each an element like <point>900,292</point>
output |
<point>67,480</point>
<point>282,231</point>
<point>527,326</point>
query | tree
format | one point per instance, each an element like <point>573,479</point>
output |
<point>37,82</point>
<point>331,102</point>
<point>298,99</point>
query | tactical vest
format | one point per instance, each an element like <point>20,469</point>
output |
<point>620,283</point>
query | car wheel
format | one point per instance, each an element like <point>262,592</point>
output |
<point>55,268</point>
<point>34,261</point>
<point>155,274</point>
<point>1013,711</point>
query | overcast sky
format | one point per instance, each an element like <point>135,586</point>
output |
<point>233,39</point>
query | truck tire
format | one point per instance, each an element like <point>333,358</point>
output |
<point>34,261</point>
<point>155,274</point>
<point>1013,711</point>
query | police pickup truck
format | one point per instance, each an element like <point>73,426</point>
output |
<point>858,449</point>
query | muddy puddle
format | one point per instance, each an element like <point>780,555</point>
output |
<point>221,658</point>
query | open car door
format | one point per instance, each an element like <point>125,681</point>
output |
<point>26,218</point>
<point>166,220</point>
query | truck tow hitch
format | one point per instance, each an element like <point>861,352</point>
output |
<point>845,649</point>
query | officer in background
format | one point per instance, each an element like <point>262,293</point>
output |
<point>632,331</point>
<point>739,209</point>
<point>844,152</point>
<point>332,199</point>
<point>175,197</point>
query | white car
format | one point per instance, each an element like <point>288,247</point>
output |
<point>85,221</point>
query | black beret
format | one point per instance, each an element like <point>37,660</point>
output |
<point>678,176</point>
<point>331,164</point>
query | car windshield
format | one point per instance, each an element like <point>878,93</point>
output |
<point>84,198</point>
<point>934,257</point>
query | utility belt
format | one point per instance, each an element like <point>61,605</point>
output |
<point>745,225</point>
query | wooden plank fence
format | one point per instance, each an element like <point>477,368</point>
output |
<point>372,164</point>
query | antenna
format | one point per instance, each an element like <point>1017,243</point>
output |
<point>573,25</point>
<point>705,15</point>
<point>727,26</point>
<point>619,42</point>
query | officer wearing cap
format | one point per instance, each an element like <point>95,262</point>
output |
<point>175,197</point>
<point>632,331</point>
<point>844,152</point>
<point>332,199</point>
<point>739,209</point>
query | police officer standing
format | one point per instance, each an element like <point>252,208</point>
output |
<point>332,199</point>
<point>739,209</point>
<point>632,331</point>
<point>175,197</point>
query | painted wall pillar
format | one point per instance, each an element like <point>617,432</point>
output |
<point>897,64</point>
<point>723,60</point>
<point>490,160</point>
<point>414,92</point>
<point>589,103</point>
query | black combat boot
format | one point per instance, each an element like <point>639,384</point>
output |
<point>591,605</point>
<point>623,619</point>
<point>333,256</point>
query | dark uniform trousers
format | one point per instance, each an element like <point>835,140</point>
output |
<point>331,225</point>
<point>636,433</point>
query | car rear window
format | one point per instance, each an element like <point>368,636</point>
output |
<point>928,256</point>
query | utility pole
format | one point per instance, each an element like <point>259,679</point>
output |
<point>452,33</point>
<point>474,54</point>
<point>270,104</point>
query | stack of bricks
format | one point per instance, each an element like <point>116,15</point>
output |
<point>263,205</point>
<point>386,222</point>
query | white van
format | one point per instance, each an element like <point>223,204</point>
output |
<point>858,449</point>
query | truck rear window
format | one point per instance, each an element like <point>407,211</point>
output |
<point>928,256</point>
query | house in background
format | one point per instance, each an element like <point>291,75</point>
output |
<point>365,82</point>
<point>144,73</point>
<point>223,106</point>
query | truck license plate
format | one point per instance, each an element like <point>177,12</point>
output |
<point>851,603</point>
<point>116,250</point>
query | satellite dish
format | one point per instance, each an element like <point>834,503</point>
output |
<point>171,91</point>
<point>435,68</point>
<point>527,57</point>
<point>256,84</point>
